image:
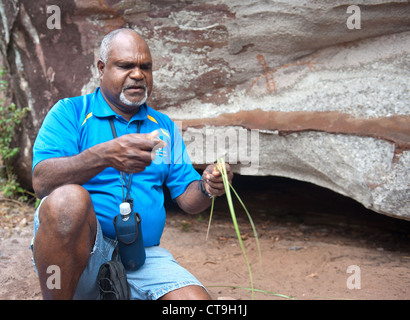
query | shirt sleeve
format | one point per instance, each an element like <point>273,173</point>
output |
<point>181,172</point>
<point>58,135</point>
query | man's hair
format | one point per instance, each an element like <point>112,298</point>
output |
<point>106,42</point>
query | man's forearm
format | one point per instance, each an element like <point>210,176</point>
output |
<point>193,200</point>
<point>128,153</point>
<point>52,173</point>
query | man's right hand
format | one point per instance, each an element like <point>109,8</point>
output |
<point>132,153</point>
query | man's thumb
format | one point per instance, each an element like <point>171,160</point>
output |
<point>153,135</point>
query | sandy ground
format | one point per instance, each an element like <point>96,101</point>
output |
<point>305,251</point>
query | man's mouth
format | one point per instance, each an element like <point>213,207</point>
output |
<point>134,92</point>
<point>135,88</point>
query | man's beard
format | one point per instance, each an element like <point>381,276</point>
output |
<point>129,103</point>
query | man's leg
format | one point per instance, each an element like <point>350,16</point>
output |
<point>187,293</point>
<point>64,238</point>
<point>161,277</point>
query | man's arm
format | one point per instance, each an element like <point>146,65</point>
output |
<point>128,153</point>
<point>193,200</point>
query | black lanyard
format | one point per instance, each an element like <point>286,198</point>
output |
<point>127,198</point>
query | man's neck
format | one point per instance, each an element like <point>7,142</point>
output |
<point>125,111</point>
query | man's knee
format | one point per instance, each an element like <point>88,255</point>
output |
<point>192,292</point>
<point>67,210</point>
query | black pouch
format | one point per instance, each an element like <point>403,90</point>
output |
<point>112,280</point>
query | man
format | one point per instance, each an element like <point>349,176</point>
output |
<point>77,168</point>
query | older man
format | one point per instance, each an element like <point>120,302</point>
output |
<point>81,172</point>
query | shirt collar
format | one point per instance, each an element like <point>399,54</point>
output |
<point>101,109</point>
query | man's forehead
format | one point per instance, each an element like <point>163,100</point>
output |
<point>129,45</point>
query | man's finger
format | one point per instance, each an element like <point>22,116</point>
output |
<point>153,135</point>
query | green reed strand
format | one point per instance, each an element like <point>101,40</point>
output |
<point>222,168</point>
<point>256,290</point>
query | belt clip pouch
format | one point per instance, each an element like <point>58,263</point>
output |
<point>112,280</point>
<point>130,241</point>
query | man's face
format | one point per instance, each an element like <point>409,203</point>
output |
<point>126,78</point>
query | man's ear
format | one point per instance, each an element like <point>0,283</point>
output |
<point>101,67</point>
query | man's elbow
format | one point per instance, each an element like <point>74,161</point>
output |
<point>189,207</point>
<point>191,210</point>
<point>184,206</point>
<point>38,188</point>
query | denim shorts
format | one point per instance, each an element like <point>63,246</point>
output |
<point>159,275</point>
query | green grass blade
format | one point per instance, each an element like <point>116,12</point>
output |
<point>222,169</point>
<point>256,290</point>
<point>210,218</point>
<point>252,224</point>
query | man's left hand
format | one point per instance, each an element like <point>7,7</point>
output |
<point>213,179</point>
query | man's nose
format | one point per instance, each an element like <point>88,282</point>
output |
<point>136,73</point>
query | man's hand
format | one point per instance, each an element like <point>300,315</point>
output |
<point>213,179</point>
<point>193,200</point>
<point>132,153</point>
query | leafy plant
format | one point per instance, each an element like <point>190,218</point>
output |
<point>10,118</point>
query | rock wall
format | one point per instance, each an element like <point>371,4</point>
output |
<point>291,84</point>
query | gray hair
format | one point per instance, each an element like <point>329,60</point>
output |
<point>106,42</point>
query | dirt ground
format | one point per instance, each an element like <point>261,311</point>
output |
<point>309,237</point>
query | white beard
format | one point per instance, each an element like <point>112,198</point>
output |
<point>129,103</point>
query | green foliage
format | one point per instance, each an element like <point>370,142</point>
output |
<point>10,119</point>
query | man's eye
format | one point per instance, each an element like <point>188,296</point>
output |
<point>126,66</point>
<point>147,66</point>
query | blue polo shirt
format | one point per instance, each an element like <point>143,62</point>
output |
<point>75,124</point>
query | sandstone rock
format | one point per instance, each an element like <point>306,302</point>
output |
<point>330,103</point>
